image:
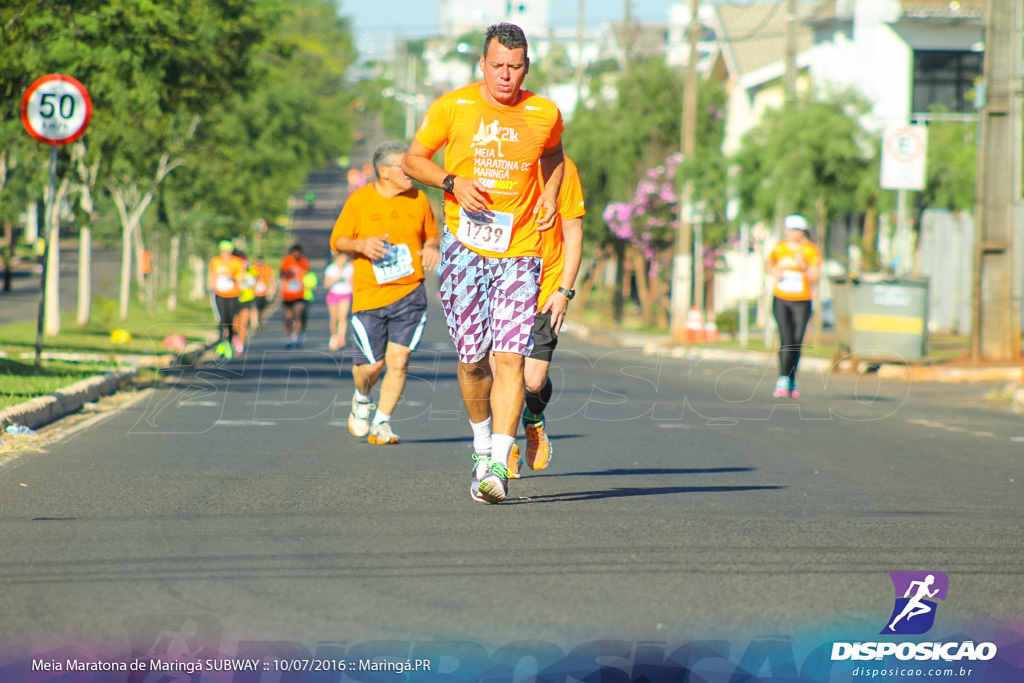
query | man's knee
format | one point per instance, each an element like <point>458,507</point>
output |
<point>397,360</point>
<point>509,362</point>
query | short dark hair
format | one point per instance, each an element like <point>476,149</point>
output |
<point>385,152</point>
<point>296,247</point>
<point>509,35</point>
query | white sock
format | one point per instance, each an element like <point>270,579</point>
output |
<point>381,417</point>
<point>482,437</point>
<point>502,444</point>
<point>363,398</point>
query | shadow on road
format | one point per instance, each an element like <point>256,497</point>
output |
<point>579,496</point>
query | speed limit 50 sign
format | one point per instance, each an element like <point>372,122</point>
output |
<point>56,109</point>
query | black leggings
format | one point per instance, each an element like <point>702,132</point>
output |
<point>792,318</point>
<point>227,309</point>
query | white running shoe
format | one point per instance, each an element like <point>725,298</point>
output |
<point>359,418</point>
<point>381,434</point>
<point>481,466</point>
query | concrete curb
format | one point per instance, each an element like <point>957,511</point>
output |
<point>41,411</point>
<point>660,345</point>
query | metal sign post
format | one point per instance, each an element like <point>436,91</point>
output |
<point>904,157</point>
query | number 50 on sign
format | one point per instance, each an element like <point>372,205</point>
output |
<point>56,109</point>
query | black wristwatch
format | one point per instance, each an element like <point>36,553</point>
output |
<point>448,184</point>
<point>567,293</point>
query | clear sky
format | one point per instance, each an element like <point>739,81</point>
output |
<point>375,21</point>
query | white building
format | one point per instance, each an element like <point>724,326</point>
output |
<point>904,57</point>
<point>461,17</point>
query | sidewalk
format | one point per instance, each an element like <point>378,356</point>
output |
<point>962,371</point>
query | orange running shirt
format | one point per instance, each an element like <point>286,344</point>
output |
<point>227,272</point>
<point>552,247</point>
<point>292,270</point>
<point>793,284</point>
<point>407,220</point>
<point>500,147</point>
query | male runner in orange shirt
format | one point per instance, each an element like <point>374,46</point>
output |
<point>294,267</point>
<point>561,253</point>
<point>390,229</point>
<point>495,135</point>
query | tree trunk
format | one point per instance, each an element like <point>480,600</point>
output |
<point>172,272</point>
<point>643,286</point>
<point>869,242</point>
<point>590,280</point>
<point>31,223</point>
<point>84,276</point>
<point>198,278</point>
<point>88,174</point>
<point>126,271</point>
<point>8,248</point>
<point>618,295</point>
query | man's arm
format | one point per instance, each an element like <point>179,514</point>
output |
<point>572,255</point>
<point>468,192</point>
<point>372,247</point>
<point>552,169</point>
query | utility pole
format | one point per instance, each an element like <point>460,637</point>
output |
<point>789,77</point>
<point>580,6</point>
<point>682,259</point>
<point>996,296</point>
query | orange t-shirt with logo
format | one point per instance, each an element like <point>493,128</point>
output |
<point>292,270</point>
<point>408,221</point>
<point>552,246</point>
<point>500,146</point>
<point>793,284</point>
<point>227,273</point>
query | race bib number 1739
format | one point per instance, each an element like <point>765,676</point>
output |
<point>485,230</point>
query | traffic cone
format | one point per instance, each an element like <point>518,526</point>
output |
<point>710,331</point>
<point>693,330</point>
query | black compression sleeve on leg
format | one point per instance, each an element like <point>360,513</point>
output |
<point>537,402</point>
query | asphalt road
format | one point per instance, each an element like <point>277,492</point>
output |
<point>683,503</point>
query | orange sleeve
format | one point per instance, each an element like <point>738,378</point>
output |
<point>433,132</point>
<point>556,131</point>
<point>570,195</point>
<point>812,255</point>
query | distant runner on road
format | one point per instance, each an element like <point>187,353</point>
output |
<point>294,267</point>
<point>562,251</point>
<point>225,279</point>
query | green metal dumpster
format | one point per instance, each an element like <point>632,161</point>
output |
<point>881,320</point>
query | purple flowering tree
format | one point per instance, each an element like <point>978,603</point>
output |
<point>649,222</point>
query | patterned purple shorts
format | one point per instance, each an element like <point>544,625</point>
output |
<point>489,303</point>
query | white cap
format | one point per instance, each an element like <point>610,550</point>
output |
<point>795,222</point>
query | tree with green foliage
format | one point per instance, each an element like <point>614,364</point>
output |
<point>812,158</point>
<point>245,96</point>
<point>615,144</point>
<point>951,166</point>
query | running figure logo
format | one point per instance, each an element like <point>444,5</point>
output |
<point>488,133</point>
<point>914,612</point>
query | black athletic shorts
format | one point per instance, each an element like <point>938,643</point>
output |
<point>545,339</point>
<point>400,322</point>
